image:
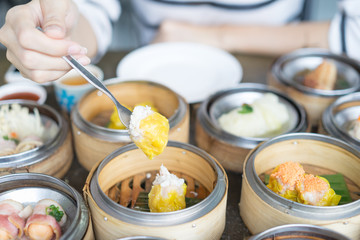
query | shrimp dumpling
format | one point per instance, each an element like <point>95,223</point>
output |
<point>283,179</point>
<point>149,130</point>
<point>315,190</point>
<point>167,193</point>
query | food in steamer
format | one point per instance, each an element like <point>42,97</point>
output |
<point>265,116</point>
<point>290,181</point>
<point>323,77</point>
<point>133,192</point>
<point>283,179</point>
<point>43,222</point>
<point>149,130</point>
<point>21,130</point>
<point>13,216</point>
<point>354,128</point>
<point>46,221</point>
<point>167,193</point>
<point>316,190</point>
<point>115,122</point>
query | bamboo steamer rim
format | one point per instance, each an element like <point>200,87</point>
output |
<point>115,135</point>
<point>41,153</point>
<point>299,228</point>
<point>93,190</point>
<point>291,207</point>
<point>329,123</point>
<point>246,142</point>
<point>276,70</point>
<point>80,223</point>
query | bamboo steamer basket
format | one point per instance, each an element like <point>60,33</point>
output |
<point>338,117</point>
<point>285,68</point>
<point>261,208</point>
<point>29,188</point>
<point>231,150</point>
<point>93,141</point>
<point>53,158</point>
<point>299,231</point>
<point>204,220</point>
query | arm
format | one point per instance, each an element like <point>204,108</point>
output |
<point>272,40</point>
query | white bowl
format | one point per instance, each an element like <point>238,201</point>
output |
<point>18,90</point>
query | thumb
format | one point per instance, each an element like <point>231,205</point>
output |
<point>54,14</point>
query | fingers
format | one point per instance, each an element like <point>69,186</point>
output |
<point>40,76</point>
<point>54,15</point>
<point>35,54</point>
<point>40,72</point>
<point>34,60</point>
<point>28,37</point>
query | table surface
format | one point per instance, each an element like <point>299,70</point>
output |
<point>255,69</point>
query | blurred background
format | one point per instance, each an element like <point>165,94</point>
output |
<point>124,37</point>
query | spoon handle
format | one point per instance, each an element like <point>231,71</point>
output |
<point>124,113</point>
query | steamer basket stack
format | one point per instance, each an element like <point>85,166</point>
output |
<point>204,220</point>
<point>261,208</point>
<point>231,150</point>
<point>53,158</point>
<point>285,69</point>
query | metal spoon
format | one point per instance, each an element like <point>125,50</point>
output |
<point>123,112</point>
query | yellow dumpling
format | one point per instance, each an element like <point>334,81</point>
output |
<point>284,178</point>
<point>115,122</point>
<point>290,181</point>
<point>315,190</point>
<point>148,103</point>
<point>167,193</point>
<point>149,130</point>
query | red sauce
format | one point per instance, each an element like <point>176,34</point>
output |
<point>21,95</point>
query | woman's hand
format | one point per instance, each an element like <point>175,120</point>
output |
<point>37,54</point>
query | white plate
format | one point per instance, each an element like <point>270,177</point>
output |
<point>193,70</point>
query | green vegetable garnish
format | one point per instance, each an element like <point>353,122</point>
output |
<point>11,139</point>
<point>55,212</point>
<point>245,108</point>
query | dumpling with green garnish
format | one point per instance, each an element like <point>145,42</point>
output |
<point>46,221</point>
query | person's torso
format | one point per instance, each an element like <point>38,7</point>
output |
<point>148,14</point>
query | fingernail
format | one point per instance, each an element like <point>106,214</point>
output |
<point>76,49</point>
<point>54,30</point>
<point>83,50</point>
<point>84,60</point>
